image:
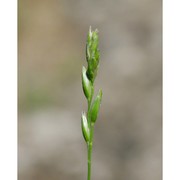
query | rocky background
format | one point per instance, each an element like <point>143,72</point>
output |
<point>128,132</point>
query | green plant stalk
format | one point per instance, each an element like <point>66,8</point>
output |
<point>90,143</point>
<point>89,146</point>
<point>88,78</point>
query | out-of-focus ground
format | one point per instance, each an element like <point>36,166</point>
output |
<point>128,141</point>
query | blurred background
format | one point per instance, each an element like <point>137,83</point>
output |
<point>128,133</point>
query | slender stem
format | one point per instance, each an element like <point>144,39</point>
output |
<point>89,161</point>
<point>89,144</point>
<point>90,152</point>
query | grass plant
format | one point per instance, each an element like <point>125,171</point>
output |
<point>89,118</point>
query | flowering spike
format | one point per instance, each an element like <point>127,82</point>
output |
<point>88,77</point>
